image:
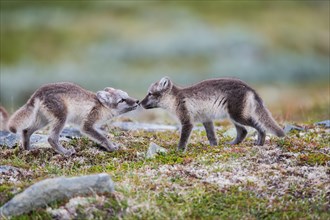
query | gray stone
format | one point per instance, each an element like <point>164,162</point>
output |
<point>38,138</point>
<point>154,149</point>
<point>70,133</point>
<point>129,126</point>
<point>10,140</point>
<point>325,123</point>
<point>144,126</point>
<point>61,213</point>
<point>289,128</point>
<point>5,169</point>
<point>231,132</point>
<point>55,189</point>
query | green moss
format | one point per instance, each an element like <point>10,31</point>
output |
<point>171,158</point>
<point>313,159</point>
<point>96,169</point>
<point>35,215</point>
<point>5,193</point>
<point>232,204</point>
<point>309,141</point>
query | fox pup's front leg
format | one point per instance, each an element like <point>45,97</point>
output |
<point>89,129</point>
<point>186,131</point>
<point>185,134</point>
<point>101,139</point>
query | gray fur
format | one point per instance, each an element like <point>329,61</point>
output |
<point>210,100</point>
<point>3,119</point>
<point>60,103</point>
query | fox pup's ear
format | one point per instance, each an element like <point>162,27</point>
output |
<point>109,89</point>
<point>164,84</point>
<point>104,97</point>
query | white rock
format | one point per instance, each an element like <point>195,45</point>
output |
<point>55,189</point>
<point>154,149</point>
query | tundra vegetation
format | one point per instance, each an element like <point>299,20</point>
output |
<point>287,178</point>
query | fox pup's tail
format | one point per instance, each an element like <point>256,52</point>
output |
<point>268,122</point>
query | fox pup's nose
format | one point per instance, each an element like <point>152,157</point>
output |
<point>137,102</point>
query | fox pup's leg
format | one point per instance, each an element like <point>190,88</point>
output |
<point>241,134</point>
<point>209,128</point>
<point>59,112</point>
<point>185,134</point>
<point>26,134</point>
<point>261,138</point>
<point>37,124</point>
<point>97,136</point>
<point>88,129</point>
<point>56,128</point>
<point>261,132</point>
<point>26,138</point>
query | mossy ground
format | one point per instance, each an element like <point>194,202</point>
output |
<point>285,179</point>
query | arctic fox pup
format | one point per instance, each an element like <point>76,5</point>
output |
<point>59,103</point>
<point>213,99</point>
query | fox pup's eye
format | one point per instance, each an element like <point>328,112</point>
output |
<point>121,101</point>
<point>149,94</point>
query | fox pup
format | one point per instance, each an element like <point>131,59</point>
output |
<point>59,103</point>
<point>3,118</point>
<point>213,99</point>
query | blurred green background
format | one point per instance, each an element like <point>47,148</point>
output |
<point>280,47</point>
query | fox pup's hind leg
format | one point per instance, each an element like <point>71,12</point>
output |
<point>241,134</point>
<point>26,134</point>
<point>59,113</point>
<point>56,128</point>
<point>39,122</point>
<point>209,128</point>
<point>261,138</point>
<point>261,132</point>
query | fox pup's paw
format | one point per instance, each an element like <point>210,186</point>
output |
<point>112,147</point>
<point>259,143</point>
<point>182,149</point>
<point>24,147</point>
<point>234,142</point>
<point>213,143</point>
<point>121,147</point>
<point>69,152</point>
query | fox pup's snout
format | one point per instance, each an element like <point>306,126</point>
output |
<point>156,92</point>
<point>117,100</point>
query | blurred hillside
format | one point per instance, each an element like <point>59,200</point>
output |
<point>281,47</point>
